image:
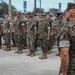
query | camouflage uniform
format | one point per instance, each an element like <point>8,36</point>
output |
<point>60,27</point>
<point>53,34</point>
<point>67,39</point>
<point>30,36</point>
<point>13,32</point>
<point>43,31</point>
<point>6,34</point>
<point>24,24</point>
<point>18,34</point>
<point>49,20</point>
<point>36,40</point>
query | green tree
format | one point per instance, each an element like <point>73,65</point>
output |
<point>4,8</point>
<point>38,10</point>
<point>54,10</point>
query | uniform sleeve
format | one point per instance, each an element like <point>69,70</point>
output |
<point>10,22</point>
<point>48,26</point>
<point>34,24</point>
<point>23,24</point>
<point>65,38</point>
<point>35,27</point>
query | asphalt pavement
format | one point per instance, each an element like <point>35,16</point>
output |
<point>20,64</point>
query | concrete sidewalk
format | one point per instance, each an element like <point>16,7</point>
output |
<point>15,64</point>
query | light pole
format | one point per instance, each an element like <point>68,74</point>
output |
<point>9,9</point>
<point>40,4</point>
<point>34,6</point>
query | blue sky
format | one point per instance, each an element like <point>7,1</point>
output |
<point>46,4</point>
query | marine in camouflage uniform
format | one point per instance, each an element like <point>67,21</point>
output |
<point>44,34</point>
<point>36,24</point>
<point>49,20</point>
<point>31,35</point>
<point>13,30</point>
<point>59,27</point>
<point>6,32</point>
<point>67,44</point>
<point>53,34</point>
<point>18,33</point>
<point>53,22</point>
<point>24,24</point>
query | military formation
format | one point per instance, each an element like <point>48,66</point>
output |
<point>42,30</point>
<point>31,31</point>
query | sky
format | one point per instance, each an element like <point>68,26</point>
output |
<point>46,4</point>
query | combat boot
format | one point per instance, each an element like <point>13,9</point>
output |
<point>29,54</point>
<point>8,49</point>
<point>32,54</point>
<point>17,51</point>
<point>49,52</point>
<point>25,47</point>
<point>20,51</point>
<point>44,56</point>
<point>4,49</point>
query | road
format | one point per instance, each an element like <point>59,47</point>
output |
<point>15,64</point>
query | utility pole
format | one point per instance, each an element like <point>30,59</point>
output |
<point>60,6</point>
<point>9,9</point>
<point>40,4</point>
<point>35,6</point>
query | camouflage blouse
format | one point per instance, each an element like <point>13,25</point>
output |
<point>67,39</point>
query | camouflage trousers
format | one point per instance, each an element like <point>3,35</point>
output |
<point>43,44</point>
<point>6,37</point>
<point>18,41</point>
<point>24,40</point>
<point>51,42</point>
<point>30,43</point>
<point>13,39</point>
<point>71,68</point>
<point>36,42</point>
<point>58,40</point>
